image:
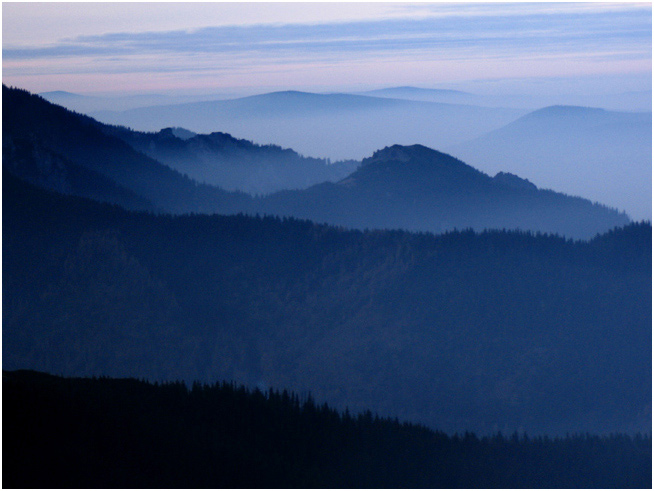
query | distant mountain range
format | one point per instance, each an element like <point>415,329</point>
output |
<point>626,101</point>
<point>430,95</point>
<point>602,155</point>
<point>232,164</point>
<point>89,103</point>
<point>416,188</point>
<point>171,279</point>
<point>412,187</point>
<point>336,126</point>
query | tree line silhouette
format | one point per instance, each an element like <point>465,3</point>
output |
<point>126,433</point>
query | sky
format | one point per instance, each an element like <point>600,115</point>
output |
<point>187,48</point>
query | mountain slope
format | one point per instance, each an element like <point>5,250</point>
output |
<point>508,331</point>
<point>417,188</point>
<point>31,121</point>
<point>40,166</point>
<point>603,155</point>
<point>336,126</point>
<point>430,95</point>
<point>221,160</point>
<point>399,187</point>
<point>224,436</point>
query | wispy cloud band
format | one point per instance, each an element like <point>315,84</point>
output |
<point>470,32</point>
<point>624,30</point>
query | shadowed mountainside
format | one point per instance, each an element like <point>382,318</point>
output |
<point>33,128</point>
<point>417,188</point>
<point>106,433</point>
<point>236,165</point>
<point>507,330</point>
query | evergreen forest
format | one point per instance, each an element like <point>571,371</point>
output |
<point>406,321</point>
<point>508,330</point>
<point>126,433</point>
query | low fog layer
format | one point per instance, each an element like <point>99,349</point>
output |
<point>232,164</point>
<point>635,100</point>
<point>601,155</point>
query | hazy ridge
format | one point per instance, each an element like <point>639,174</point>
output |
<point>116,264</point>
<point>336,126</point>
<point>423,189</point>
<point>602,155</point>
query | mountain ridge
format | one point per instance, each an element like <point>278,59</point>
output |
<point>234,164</point>
<point>81,140</point>
<point>286,302</point>
<point>605,156</point>
<point>314,124</point>
<point>430,191</point>
<point>421,189</point>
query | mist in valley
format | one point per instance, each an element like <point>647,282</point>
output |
<point>598,154</point>
<point>327,245</point>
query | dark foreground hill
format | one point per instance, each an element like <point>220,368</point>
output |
<point>462,331</point>
<point>124,433</point>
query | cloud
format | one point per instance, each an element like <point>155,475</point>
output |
<point>423,33</point>
<point>488,34</point>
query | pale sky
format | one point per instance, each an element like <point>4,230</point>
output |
<point>212,47</point>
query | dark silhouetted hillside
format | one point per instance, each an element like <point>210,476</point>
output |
<point>508,330</point>
<point>124,433</point>
<point>28,160</point>
<point>32,123</point>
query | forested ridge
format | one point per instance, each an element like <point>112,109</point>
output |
<point>507,330</point>
<point>420,189</point>
<point>125,433</point>
<point>405,187</point>
<point>112,267</point>
<point>32,128</point>
<point>231,163</point>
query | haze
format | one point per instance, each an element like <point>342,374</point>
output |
<point>412,243</point>
<point>485,65</point>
